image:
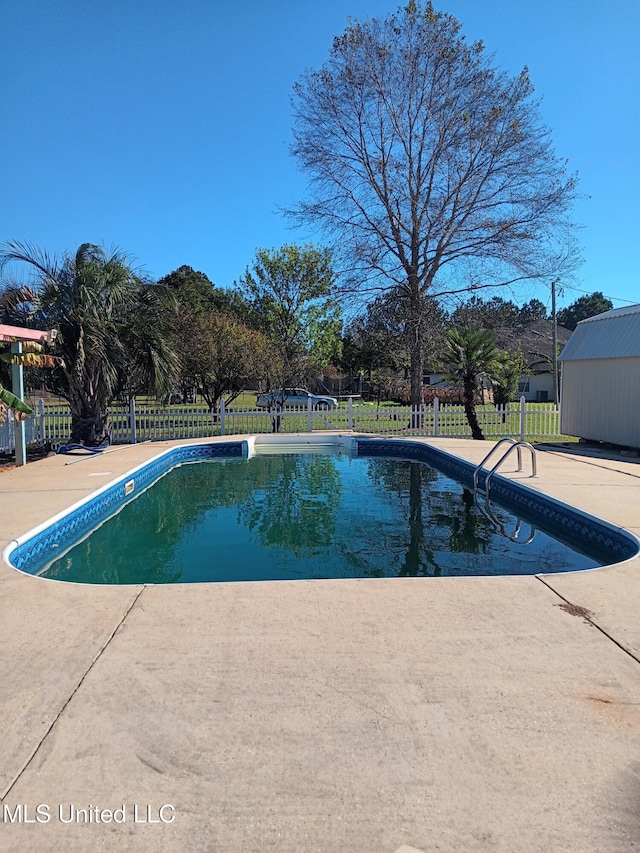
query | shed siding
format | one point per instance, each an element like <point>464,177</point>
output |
<point>601,400</point>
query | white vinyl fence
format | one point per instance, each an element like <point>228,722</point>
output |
<point>8,433</point>
<point>134,423</point>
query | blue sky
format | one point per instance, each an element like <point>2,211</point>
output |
<point>164,127</point>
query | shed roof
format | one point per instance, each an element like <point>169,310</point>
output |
<point>614,334</point>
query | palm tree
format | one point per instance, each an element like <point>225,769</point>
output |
<point>508,367</point>
<point>112,329</point>
<point>469,354</point>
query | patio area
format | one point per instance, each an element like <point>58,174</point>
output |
<point>449,714</point>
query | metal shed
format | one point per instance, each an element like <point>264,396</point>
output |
<point>600,381</point>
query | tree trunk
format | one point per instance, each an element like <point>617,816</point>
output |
<point>89,423</point>
<point>415,331</point>
<point>276,416</point>
<point>470,410</point>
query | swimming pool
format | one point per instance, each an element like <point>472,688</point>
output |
<point>362,508</point>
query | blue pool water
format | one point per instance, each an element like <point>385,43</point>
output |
<point>302,516</point>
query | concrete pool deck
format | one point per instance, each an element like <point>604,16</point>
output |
<point>449,714</point>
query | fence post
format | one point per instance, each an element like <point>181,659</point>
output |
<point>350,413</point>
<point>132,419</point>
<point>41,419</point>
<point>436,412</point>
<point>309,424</point>
<point>222,415</point>
<point>522,416</point>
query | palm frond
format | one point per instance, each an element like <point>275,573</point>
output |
<point>15,250</point>
<point>13,402</point>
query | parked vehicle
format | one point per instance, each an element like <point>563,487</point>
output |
<point>289,397</point>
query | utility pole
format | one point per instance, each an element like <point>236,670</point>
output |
<point>555,341</point>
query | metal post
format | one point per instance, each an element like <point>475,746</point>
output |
<point>221,415</point>
<point>436,412</point>
<point>132,419</point>
<point>350,413</point>
<point>522,414</point>
<point>17,386</point>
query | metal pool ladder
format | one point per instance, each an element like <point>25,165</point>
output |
<point>514,445</point>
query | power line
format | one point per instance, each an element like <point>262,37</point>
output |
<point>589,293</point>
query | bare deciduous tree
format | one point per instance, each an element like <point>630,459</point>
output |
<point>429,165</point>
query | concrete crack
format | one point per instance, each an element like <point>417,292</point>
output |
<point>587,616</point>
<point>37,747</point>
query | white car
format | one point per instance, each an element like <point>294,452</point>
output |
<point>289,397</point>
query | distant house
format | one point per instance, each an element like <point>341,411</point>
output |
<point>601,379</point>
<point>535,342</point>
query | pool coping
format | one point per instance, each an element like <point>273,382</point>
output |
<point>555,517</point>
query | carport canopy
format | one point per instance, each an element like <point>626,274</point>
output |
<point>16,335</point>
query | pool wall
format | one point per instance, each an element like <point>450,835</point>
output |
<point>608,543</point>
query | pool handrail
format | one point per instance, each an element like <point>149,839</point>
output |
<point>534,464</point>
<point>479,467</point>
<point>514,445</point>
